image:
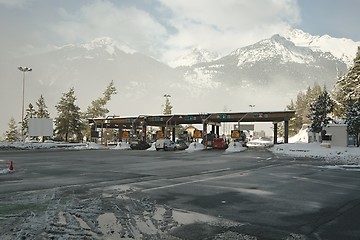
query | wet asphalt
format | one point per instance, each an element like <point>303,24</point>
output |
<point>269,196</point>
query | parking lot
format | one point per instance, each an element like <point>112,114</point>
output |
<point>109,194</point>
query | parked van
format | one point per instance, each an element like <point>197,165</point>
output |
<point>165,143</point>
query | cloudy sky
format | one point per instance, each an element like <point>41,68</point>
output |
<point>164,28</point>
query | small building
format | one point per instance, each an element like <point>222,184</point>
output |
<point>338,134</point>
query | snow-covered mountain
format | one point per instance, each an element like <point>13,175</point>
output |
<point>341,48</point>
<point>268,74</point>
<point>275,63</point>
<point>195,56</point>
<point>89,68</point>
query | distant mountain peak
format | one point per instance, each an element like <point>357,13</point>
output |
<point>276,47</point>
<point>194,56</point>
<point>342,48</point>
<point>108,44</point>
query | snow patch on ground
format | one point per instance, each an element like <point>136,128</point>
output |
<point>122,146</point>
<point>334,154</point>
<point>195,146</point>
<point>235,147</point>
<point>152,148</point>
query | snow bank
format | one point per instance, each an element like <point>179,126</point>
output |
<point>260,143</point>
<point>122,146</point>
<point>152,148</point>
<point>336,155</point>
<point>235,147</point>
<point>24,145</point>
<point>5,171</point>
<point>301,136</point>
<point>195,146</point>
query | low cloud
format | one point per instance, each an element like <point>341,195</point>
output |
<point>220,26</point>
<point>102,18</point>
<point>13,3</point>
<point>223,26</point>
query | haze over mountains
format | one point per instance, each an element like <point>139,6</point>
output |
<point>268,74</point>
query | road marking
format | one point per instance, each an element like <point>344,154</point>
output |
<point>339,185</point>
<point>217,170</point>
<point>190,182</point>
<point>205,179</point>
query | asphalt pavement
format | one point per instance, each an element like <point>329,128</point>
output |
<point>254,194</point>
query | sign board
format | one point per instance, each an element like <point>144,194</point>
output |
<point>245,127</point>
<point>159,134</point>
<point>40,127</point>
<point>197,134</point>
<point>125,134</point>
<point>235,134</point>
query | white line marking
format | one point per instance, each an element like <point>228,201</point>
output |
<point>217,170</point>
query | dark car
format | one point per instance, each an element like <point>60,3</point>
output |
<point>181,144</point>
<point>140,145</point>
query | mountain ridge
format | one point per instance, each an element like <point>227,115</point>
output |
<point>208,84</point>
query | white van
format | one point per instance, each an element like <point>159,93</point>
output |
<point>165,143</point>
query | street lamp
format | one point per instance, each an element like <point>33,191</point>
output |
<point>23,70</point>
<point>251,106</point>
<point>166,96</point>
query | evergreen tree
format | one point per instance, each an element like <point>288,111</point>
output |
<point>320,110</point>
<point>42,111</point>
<point>352,113</point>
<point>301,107</point>
<point>12,135</point>
<point>30,113</point>
<point>347,87</point>
<point>68,123</point>
<point>167,106</point>
<point>97,108</point>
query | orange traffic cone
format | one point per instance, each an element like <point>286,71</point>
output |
<point>11,167</point>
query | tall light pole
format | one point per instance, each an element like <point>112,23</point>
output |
<point>252,106</point>
<point>23,70</point>
<point>166,96</point>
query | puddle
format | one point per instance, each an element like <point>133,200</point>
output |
<point>62,219</point>
<point>185,217</point>
<point>109,226</point>
<point>158,214</point>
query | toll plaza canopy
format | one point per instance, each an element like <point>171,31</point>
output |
<point>214,119</point>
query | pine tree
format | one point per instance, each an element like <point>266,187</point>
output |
<point>30,113</point>
<point>68,123</point>
<point>97,108</point>
<point>12,135</point>
<point>42,111</point>
<point>320,110</point>
<point>347,87</point>
<point>167,106</point>
<point>352,113</point>
<point>301,107</point>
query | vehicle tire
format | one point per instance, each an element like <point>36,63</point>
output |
<point>165,148</point>
<point>175,148</point>
<point>157,149</point>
